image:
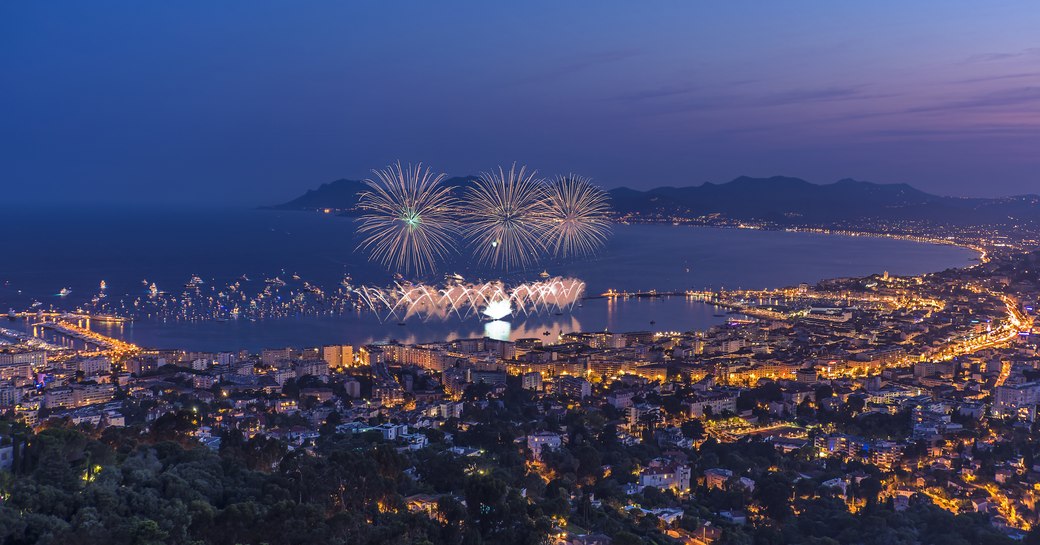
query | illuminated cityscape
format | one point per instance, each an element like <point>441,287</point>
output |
<point>502,356</point>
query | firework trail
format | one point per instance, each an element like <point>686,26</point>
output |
<point>576,213</point>
<point>409,219</point>
<point>503,217</point>
<point>464,300</point>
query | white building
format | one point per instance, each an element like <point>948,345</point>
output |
<point>713,402</point>
<point>1018,400</point>
<point>532,381</point>
<point>536,442</point>
<point>666,475</point>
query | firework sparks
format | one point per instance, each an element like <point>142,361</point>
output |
<point>577,216</point>
<point>463,300</point>
<point>409,223</point>
<point>503,217</point>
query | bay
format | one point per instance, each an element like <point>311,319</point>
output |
<point>46,250</point>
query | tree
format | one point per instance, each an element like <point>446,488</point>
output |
<point>870,489</point>
<point>175,426</point>
<point>692,429</point>
<point>627,538</point>
<point>774,492</point>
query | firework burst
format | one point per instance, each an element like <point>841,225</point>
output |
<point>409,219</point>
<point>504,217</point>
<point>576,213</point>
<point>465,300</point>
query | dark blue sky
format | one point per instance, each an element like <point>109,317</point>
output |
<point>252,102</point>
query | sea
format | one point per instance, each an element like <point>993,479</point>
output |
<point>46,250</point>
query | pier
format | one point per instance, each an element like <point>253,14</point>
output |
<point>78,316</point>
<point>115,347</point>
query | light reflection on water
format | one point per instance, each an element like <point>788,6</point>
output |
<point>503,330</point>
<point>668,314</point>
<point>221,245</point>
<point>498,330</point>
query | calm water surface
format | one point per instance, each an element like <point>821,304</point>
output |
<point>45,250</point>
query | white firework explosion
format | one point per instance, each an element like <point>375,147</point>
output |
<point>409,221</point>
<point>504,219</point>
<point>576,216</point>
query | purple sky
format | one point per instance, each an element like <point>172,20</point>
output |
<point>253,102</point>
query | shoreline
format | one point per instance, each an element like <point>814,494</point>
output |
<point>780,283</point>
<point>749,225</point>
<point>982,251</point>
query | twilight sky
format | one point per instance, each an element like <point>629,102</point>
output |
<point>253,102</point>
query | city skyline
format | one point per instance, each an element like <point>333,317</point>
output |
<point>460,273</point>
<point>253,103</point>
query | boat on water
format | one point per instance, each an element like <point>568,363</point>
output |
<point>109,318</point>
<point>64,292</point>
<point>153,291</point>
<point>194,282</point>
<point>104,286</point>
<point>11,314</point>
<point>276,281</point>
<point>544,274</point>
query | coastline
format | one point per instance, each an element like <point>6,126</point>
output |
<point>982,250</point>
<point>706,277</point>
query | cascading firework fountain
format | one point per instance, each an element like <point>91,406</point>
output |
<point>494,300</point>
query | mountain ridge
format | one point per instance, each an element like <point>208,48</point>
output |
<point>779,200</point>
